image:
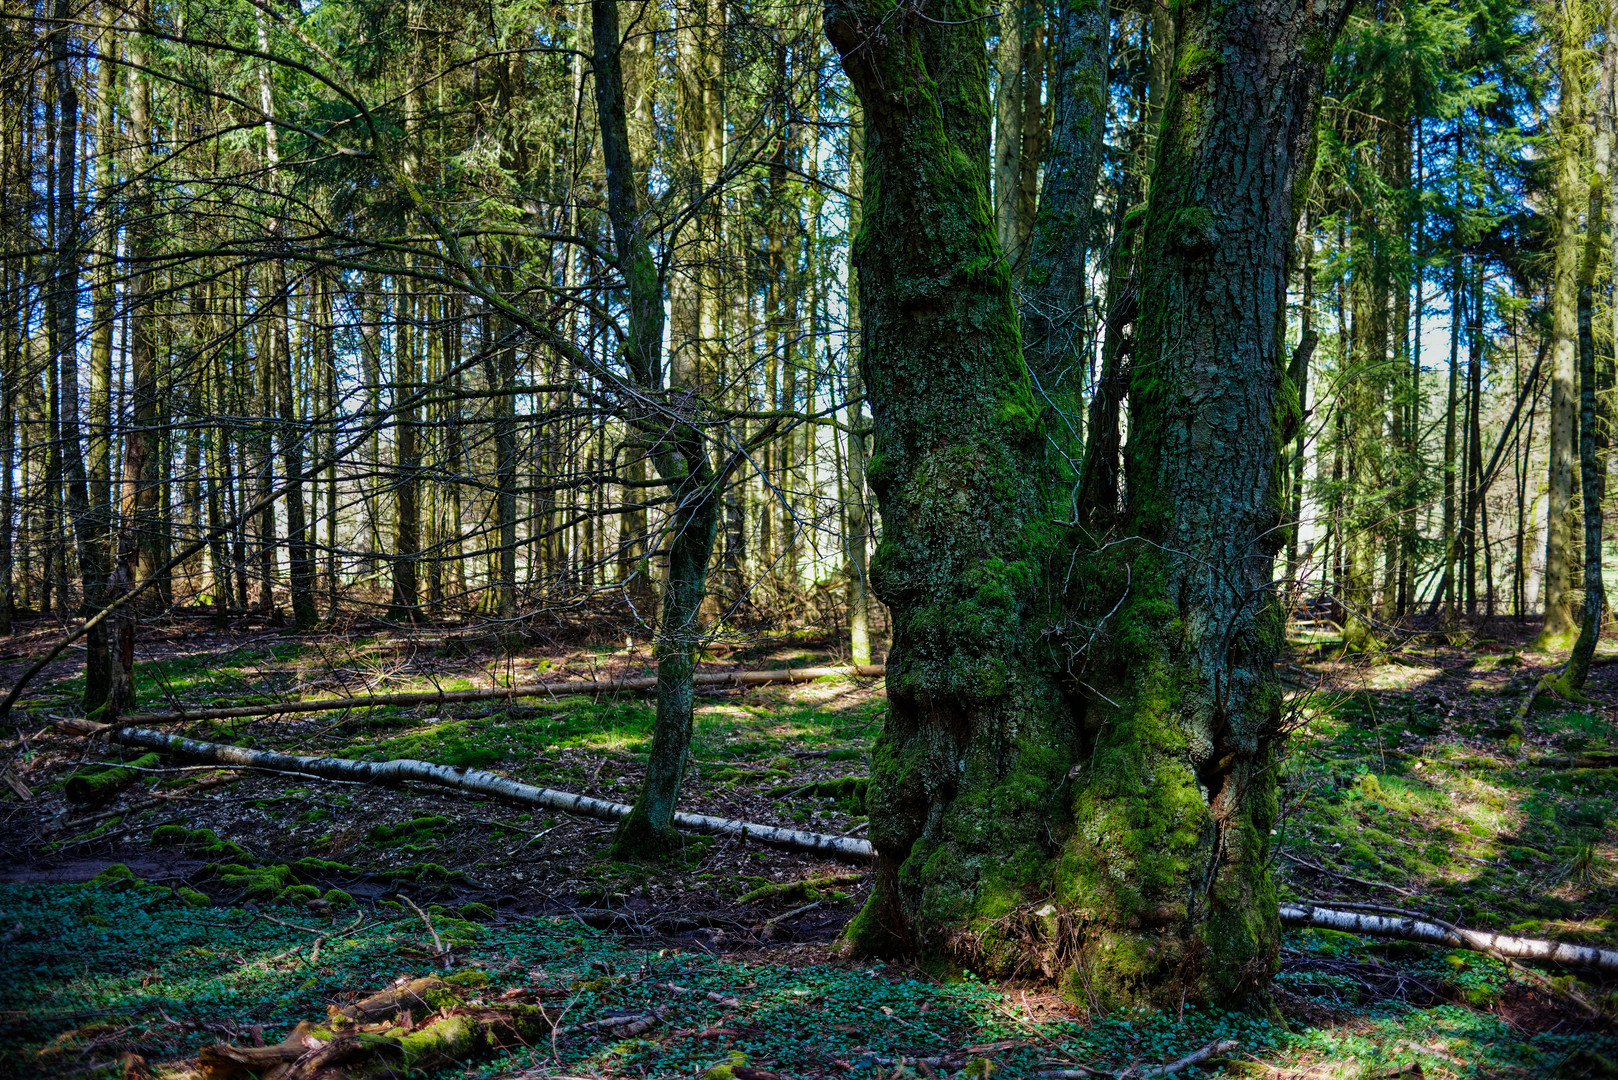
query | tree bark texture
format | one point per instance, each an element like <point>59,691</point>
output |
<point>1570,197</point>
<point>1173,808</point>
<point>1008,125</point>
<point>977,737</point>
<point>1054,325</point>
<point>1592,479</point>
<point>1108,824</point>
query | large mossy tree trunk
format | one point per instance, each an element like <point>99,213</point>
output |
<point>1102,819</point>
<point>978,737</point>
<point>1167,870</point>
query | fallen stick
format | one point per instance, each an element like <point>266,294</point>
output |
<point>1340,876</point>
<point>1058,1071</point>
<point>477,781</point>
<point>420,1028</point>
<point>622,1027</point>
<point>438,942</point>
<point>1403,927</point>
<point>794,913</point>
<point>566,688</point>
<point>147,804</point>
<point>711,995</point>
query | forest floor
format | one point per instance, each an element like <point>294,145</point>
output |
<point>204,905</point>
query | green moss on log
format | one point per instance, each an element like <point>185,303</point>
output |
<point>92,787</point>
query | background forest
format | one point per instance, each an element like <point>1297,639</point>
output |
<point>368,367</point>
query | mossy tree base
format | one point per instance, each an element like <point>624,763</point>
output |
<point>1555,641</point>
<point>637,838</point>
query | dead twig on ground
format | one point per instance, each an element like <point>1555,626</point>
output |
<point>1074,1071</point>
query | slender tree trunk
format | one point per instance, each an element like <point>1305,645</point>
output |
<point>219,549</point>
<point>1570,199</point>
<point>300,562</point>
<point>1592,474</point>
<point>859,523</point>
<point>263,460</point>
<point>1446,586</point>
<point>88,528</point>
<point>1035,125</point>
<point>1307,338</point>
<point>505,452</point>
<point>140,498</point>
<point>407,512</point>
<point>1054,323</point>
<point>328,365</point>
<point>1009,100</point>
<point>11,337</point>
<point>1474,443</point>
<point>679,453</point>
<point>99,428</point>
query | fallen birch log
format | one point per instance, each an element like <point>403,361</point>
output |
<point>476,781</point>
<point>1412,928</point>
<point>846,848</point>
<point>564,688</point>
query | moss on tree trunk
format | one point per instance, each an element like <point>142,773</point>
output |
<point>1074,778</point>
<point>1560,628</point>
<point>977,738</point>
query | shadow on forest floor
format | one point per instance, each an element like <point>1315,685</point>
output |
<point>1396,789</point>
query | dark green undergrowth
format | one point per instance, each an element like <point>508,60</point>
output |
<point>100,969</point>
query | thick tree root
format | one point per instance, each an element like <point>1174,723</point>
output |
<point>413,1029</point>
<point>1519,721</point>
<point>567,688</point>
<point>1555,685</point>
<point>477,781</point>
